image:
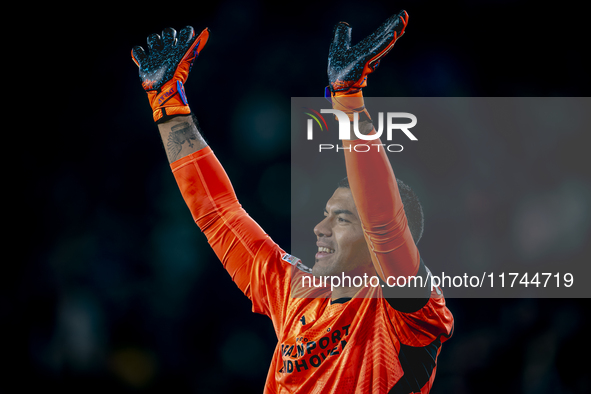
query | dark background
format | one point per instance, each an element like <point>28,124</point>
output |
<point>114,289</point>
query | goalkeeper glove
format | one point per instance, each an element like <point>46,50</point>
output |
<point>348,66</point>
<point>165,69</point>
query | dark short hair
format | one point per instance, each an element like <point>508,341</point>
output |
<point>412,207</point>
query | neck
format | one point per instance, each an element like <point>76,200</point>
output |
<point>342,292</point>
<point>351,291</point>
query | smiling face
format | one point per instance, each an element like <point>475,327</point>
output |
<point>340,240</point>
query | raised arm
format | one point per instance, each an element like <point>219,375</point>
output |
<point>370,175</point>
<point>245,250</point>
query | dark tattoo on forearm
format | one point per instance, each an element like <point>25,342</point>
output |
<point>180,134</point>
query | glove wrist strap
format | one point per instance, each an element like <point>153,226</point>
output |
<point>168,101</point>
<point>349,102</point>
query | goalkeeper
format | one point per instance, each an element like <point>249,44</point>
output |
<point>358,339</point>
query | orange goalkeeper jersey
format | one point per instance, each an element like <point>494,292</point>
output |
<point>358,345</point>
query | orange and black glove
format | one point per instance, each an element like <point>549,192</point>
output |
<point>165,69</point>
<point>348,66</point>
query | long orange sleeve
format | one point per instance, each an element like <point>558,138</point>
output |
<point>236,239</point>
<point>380,208</point>
<point>258,266</point>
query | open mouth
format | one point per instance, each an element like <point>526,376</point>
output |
<point>324,252</point>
